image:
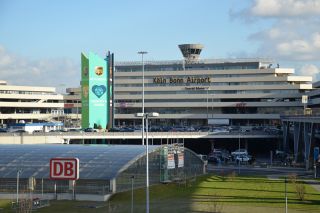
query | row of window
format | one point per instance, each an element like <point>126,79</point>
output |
<point>244,75</point>
<point>198,92</point>
<point>186,67</point>
<point>126,102</point>
<point>25,92</point>
<point>204,84</point>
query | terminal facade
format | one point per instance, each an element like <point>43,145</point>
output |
<point>187,92</point>
<point>194,92</point>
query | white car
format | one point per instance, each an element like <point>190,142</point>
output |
<point>242,158</point>
<point>239,152</point>
<point>219,130</point>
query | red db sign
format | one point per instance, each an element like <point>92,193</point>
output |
<point>64,168</point>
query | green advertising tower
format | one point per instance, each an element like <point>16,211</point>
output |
<point>96,91</point>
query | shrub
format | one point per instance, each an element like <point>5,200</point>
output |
<point>300,191</point>
<point>232,176</point>
<point>214,203</point>
<point>293,178</point>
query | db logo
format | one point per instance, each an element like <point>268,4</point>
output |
<point>64,168</point>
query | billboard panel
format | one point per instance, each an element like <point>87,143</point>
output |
<point>171,163</point>
<point>94,91</point>
<point>84,91</point>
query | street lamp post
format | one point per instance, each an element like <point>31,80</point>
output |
<point>285,191</point>
<point>239,151</point>
<point>146,116</point>
<point>132,179</point>
<point>207,105</point>
<point>18,177</point>
<point>142,53</point>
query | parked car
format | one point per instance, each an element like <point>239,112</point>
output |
<point>219,130</point>
<point>223,154</point>
<point>115,129</point>
<point>89,130</point>
<point>214,159</point>
<point>242,158</point>
<point>74,130</point>
<point>19,131</point>
<point>3,130</point>
<point>204,129</point>
<point>239,152</point>
<point>126,129</point>
<point>190,129</point>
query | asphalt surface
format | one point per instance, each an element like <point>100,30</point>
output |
<point>260,170</point>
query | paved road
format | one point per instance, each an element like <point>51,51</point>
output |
<point>267,171</point>
<point>272,173</point>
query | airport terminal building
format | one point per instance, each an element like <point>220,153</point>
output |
<point>196,92</point>
<point>187,92</point>
<point>29,104</point>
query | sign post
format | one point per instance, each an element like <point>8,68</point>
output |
<point>65,169</point>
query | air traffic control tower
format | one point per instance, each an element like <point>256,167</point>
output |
<point>191,52</point>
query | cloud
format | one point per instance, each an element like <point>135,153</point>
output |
<point>310,70</point>
<point>285,8</point>
<point>17,70</point>
<point>291,32</point>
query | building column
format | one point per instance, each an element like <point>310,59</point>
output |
<point>307,136</point>
<point>285,135</point>
<point>296,139</point>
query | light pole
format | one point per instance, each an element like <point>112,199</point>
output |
<point>212,105</point>
<point>146,116</point>
<point>18,176</point>
<point>207,106</point>
<point>285,191</point>
<point>77,102</point>
<point>132,178</point>
<point>142,53</point>
<point>239,151</point>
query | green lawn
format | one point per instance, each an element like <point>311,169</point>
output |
<point>5,205</point>
<point>238,194</point>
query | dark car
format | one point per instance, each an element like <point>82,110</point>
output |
<point>127,129</point>
<point>115,129</point>
<point>3,130</point>
<point>214,159</point>
<point>89,130</point>
<point>20,131</point>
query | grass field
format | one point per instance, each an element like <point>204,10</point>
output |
<point>206,194</point>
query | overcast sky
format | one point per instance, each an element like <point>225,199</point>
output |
<point>41,40</point>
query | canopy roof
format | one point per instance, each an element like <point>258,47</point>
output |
<point>96,161</point>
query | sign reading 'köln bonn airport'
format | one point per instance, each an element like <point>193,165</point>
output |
<point>64,168</point>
